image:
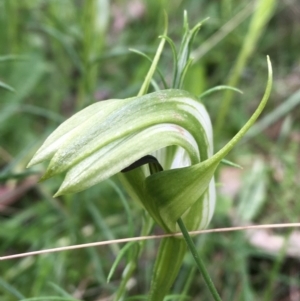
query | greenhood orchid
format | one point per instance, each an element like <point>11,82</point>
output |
<point>171,131</point>
<point>109,136</point>
<point>106,137</point>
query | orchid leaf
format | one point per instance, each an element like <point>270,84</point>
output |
<point>153,66</point>
<point>183,57</point>
<point>218,88</point>
<point>151,61</point>
<point>230,163</point>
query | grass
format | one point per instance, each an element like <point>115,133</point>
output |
<point>57,60</point>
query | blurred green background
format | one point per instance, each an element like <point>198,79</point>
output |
<point>61,55</point>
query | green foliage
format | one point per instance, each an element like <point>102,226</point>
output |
<point>47,53</point>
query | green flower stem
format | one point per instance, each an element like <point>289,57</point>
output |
<point>198,261</point>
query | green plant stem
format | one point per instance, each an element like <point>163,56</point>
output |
<point>198,261</point>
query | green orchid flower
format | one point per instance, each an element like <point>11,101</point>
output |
<point>162,146</point>
<point>107,137</point>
